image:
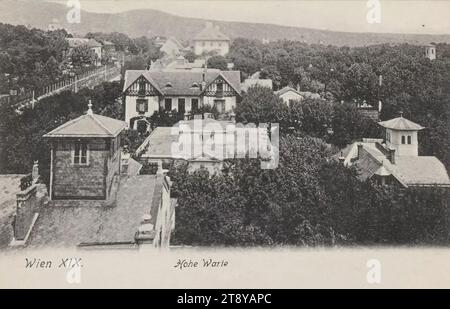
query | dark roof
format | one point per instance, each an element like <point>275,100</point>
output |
<point>401,124</point>
<point>74,222</point>
<point>211,33</point>
<point>89,125</point>
<point>182,81</point>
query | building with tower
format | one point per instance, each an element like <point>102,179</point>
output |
<point>430,51</point>
<point>395,159</point>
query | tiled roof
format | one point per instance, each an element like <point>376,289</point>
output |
<point>401,123</point>
<point>211,33</point>
<point>408,170</point>
<point>89,125</point>
<point>181,81</point>
<point>70,223</point>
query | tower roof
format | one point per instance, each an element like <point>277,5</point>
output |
<point>89,125</point>
<point>401,124</point>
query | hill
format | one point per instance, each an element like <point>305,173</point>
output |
<point>156,23</point>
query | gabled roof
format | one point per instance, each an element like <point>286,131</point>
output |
<point>401,124</point>
<point>89,125</point>
<point>286,89</point>
<point>182,81</point>
<point>211,33</point>
<point>408,170</point>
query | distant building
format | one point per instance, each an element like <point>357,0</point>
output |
<point>108,46</point>
<point>255,80</point>
<point>184,91</point>
<point>85,157</point>
<point>210,39</point>
<point>197,137</point>
<point>395,160</point>
<point>172,47</point>
<point>291,95</point>
<point>170,63</point>
<point>93,45</point>
<point>430,51</point>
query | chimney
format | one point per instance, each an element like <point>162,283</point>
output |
<point>35,171</point>
<point>298,87</point>
<point>360,147</point>
<point>341,158</point>
<point>391,156</point>
<point>125,162</point>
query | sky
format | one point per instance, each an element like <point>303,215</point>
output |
<point>397,16</point>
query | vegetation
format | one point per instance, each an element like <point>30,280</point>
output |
<point>306,201</point>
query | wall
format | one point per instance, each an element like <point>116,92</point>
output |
<point>27,207</point>
<point>130,107</point>
<point>187,105</point>
<point>165,221</point>
<point>79,182</point>
<point>230,102</point>
<point>403,149</point>
<point>222,47</point>
<point>113,163</point>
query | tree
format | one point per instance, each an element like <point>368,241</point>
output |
<point>217,62</point>
<point>82,56</point>
<point>190,56</point>
<point>261,105</point>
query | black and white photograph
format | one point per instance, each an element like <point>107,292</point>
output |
<point>224,144</point>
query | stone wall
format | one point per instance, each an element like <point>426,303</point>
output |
<point>27,207</point>
<point>80,181</point>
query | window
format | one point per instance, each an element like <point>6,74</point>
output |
<point>142,105</point>
<point>291,103</point>
<point>409,139</point>
<point>80,153</point>
<point>181,105</point>
<point>403,139</point>
<point>220,105</point>
<point>388,136</point>
<point>168,104</point>
<point>194,104</point>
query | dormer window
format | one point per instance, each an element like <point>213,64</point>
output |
<point>168,85</point>
<point>195,85</point>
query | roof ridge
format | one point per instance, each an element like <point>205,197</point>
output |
<point>100,123</point>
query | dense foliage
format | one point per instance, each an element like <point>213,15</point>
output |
<point>306,201</point>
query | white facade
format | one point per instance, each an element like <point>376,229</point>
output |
<point>430,52</point>
<point>405,143</point>
<point>220,47</point>
<point>131,108</point>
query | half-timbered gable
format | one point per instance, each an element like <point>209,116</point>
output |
<point>184,91</point>
<point>142,87</point>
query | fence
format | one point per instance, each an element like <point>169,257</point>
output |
<point>72,83</point>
